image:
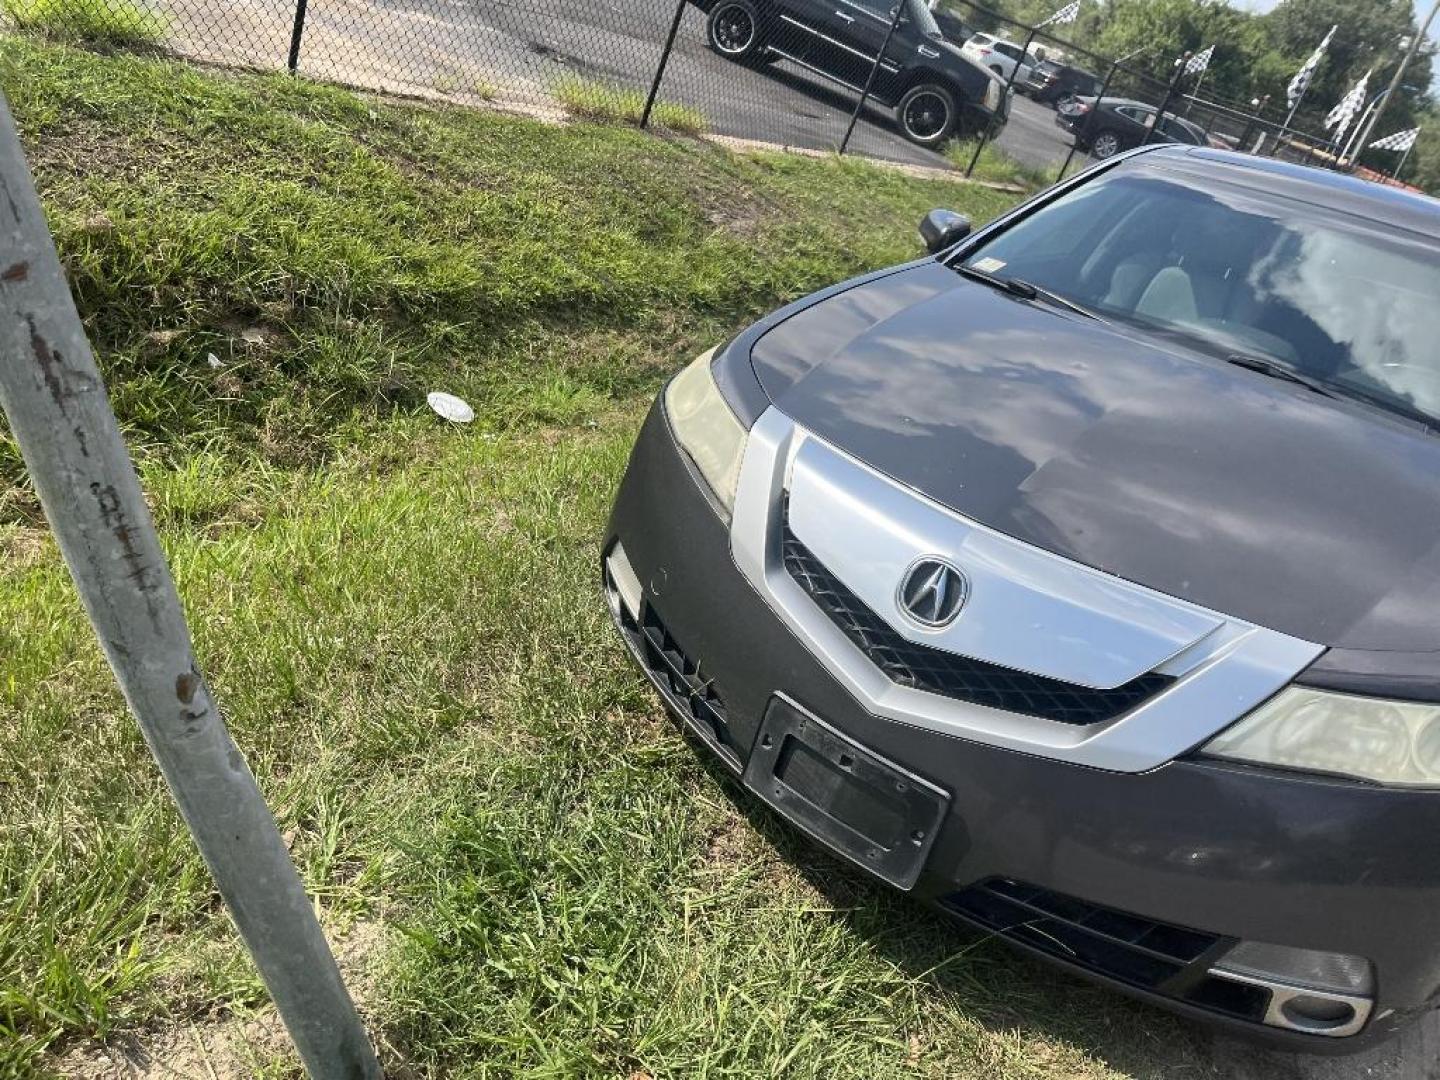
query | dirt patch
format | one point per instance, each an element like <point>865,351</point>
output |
<point>22,547</point>
<point>228,1049</point>
<point>741,216</point>
<point>732,846</point>
<point>225,1046</point>
<point>921,172</point>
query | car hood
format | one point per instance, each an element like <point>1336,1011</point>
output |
<point>1246,495</point>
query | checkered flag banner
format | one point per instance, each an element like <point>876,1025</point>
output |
<point>1200,61</point>
<point>1339,117</point>
<point>1301,82</point>
<point>1401,140</point>
<point>1066,14</point>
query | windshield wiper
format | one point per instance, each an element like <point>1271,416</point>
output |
<point>1334,389</point>
<point>1025,290</point>
<point>1276,370</point>
<point>1389,404</point>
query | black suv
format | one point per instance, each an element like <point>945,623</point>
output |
<point>1050,81</point>
<point>936,91</point>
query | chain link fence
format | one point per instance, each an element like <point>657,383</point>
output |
<point>816,74</point>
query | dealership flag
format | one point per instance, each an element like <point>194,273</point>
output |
<point>1339,117</point>
<point>1066,14</point>
<point>1301,82</point>
<point>1401,140</point>
<point>1200,61</point>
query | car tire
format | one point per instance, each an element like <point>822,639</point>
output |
<point>927,114</point>
<point>1105,144</point>
<point>733,31</point>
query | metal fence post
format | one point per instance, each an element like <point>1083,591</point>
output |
<point>295,35</point>
<point>870,79</point>
<point>1170,92</point>
<point>52,393</point>
<point>1074,145</point>
<point>664,60</point>
<point>1005,99</point>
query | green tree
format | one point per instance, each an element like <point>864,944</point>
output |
<point>1166,29</point>
<point>1422,168</point>
<point>1370,36</point>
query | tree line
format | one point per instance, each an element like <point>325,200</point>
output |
<point>1257,54</point>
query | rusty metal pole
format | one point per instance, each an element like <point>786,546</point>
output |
<point>52,393</point>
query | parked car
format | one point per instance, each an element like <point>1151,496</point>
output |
<point>1000,56</point>
<point>936,91</point>
<point>1116,124</point>
<point>1082,580</point>
<point>1050,81</point>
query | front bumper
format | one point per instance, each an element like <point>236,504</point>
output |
<point>1194,847</point>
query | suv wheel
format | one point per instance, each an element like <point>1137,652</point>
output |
<point>927,114</point>
<point>1104,145</point>
<point>733,30</point>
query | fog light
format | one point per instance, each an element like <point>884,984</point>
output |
<point>1300,967</point>
<point>622,586</point>
<point>1315,992</point>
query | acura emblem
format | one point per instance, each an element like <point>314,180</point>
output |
<point>933,592</point>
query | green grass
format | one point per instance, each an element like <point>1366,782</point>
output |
<point>102,22</point>
<point>400,617</point>
<point>586,99</point>
<point>998,166</point>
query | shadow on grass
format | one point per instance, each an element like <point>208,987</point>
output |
<point>1003,989</point>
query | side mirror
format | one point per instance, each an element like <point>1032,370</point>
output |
<point>941,228</point>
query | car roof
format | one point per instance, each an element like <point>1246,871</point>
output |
<point>1306,183</point>
<point>1111,102</point>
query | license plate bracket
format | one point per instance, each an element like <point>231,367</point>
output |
<point>865,807</point>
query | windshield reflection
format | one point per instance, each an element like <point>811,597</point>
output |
<point>1350,303</point>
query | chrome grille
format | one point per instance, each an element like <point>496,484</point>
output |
<point>976,681</point>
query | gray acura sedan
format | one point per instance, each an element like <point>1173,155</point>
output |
<point>1083,579</point>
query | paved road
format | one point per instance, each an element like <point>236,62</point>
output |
<point>518,49</point>
<point>780,103</point>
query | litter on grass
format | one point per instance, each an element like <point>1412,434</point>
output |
<point>450,407</point>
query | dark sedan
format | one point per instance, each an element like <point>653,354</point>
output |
<point>1082,580</point>
<point>1115,124</point>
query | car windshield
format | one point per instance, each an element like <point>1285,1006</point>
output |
<point>1349,302</point>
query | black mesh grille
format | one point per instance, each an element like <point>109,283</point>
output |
<point>1156,956</point>
<point>939,672</point>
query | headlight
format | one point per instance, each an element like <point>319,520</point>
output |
<point>993,90</point>
<point>706,428</point>
<point>1394,742</point>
